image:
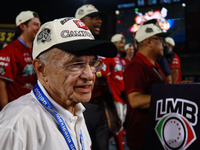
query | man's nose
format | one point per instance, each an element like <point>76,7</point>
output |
<point>88,73</point>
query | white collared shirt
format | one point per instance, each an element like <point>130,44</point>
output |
<point>26,125</point>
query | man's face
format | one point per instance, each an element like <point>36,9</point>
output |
<point>158,45</point>
<point>93,23</point>
<point>120,45</point>
<point>130,51</point>
<point>64,87</point>
<point>32,28</point>
<point>170,46</point>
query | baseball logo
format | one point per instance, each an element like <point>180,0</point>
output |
<point>175,132</point>
<point>44,36</point>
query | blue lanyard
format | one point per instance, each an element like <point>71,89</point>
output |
<point>45,103</point>
<point>120,63</point>
<point>24,45</point>
<point>159,74</point>
<point>22,42</point>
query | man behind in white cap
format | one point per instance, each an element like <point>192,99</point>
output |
<point>50,117</point>
<point>139,76</point>
<point>116,82</point>
<point>17,76</point>
<point>175,64</point>
<point>129,49</point>
<point>119,41</point>
<point>91,17</point>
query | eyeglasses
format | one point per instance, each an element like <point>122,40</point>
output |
<point>78,67</point>
<point>158,38</point>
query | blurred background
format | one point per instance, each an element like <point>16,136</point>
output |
<point>181,19</point>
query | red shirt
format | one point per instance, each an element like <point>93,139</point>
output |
<point>176,63</point>
<point>125,61</point>
<point>115,77</point>
<point>101,86</point>
<point>139,75</point>
<point>16,68</point>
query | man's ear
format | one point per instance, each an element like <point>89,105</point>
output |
<point>39,68</point>
<point>22,26</point>
<point>148,42</point>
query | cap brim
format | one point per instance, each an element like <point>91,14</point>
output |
<point>95,14</point>
<point>164,34</point>
<point>89,47</point>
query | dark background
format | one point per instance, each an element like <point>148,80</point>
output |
<point>51,9</point>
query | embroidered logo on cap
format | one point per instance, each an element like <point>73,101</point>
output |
<point>149,30</point>
<point>80,24</point>
<point>93,6</point>
<point>66,20</point>
<point>44,36</point>
<point>81,12</point>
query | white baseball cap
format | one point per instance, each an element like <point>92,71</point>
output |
<point>148,30</point>
<point>24,16</point>
<point>71,35</point>
<point>127,46</point>
<point>170,40</point>
<point>117,37</point>
<point>86,10</point>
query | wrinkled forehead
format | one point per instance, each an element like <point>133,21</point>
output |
<point>85,58</point>
<point>67,57</point>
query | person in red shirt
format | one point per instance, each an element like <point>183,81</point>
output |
<point>17,76</point>
<point>129,49</point>
<point>116,82</point>
<point>175,64</point>
<point>140,74</point>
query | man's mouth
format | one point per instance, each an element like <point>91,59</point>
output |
<point>97,28</point>
<point>84,88</point>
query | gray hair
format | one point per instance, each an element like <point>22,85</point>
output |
<point>44,57</point>
<point>52,55</point>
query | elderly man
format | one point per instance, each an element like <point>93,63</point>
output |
<point>65,59</point>
<point>139,76</point>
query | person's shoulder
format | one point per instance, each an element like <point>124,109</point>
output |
<point>23,107</point>
<point>176,55</point>
<point>12,47</point>
<point>136,61</point>
<point>135,65</point>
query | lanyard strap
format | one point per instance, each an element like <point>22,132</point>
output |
<point>121,64</point>
<point>22,42</point>
<point>45,103</point>
<point>159,74</point>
